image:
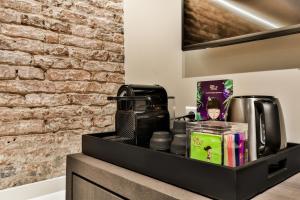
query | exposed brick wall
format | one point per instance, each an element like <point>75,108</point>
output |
<point>59,60</point>
<point>206,20</point>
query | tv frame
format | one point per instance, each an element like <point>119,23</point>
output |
<point>279,32</point>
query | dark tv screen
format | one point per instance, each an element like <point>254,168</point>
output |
<point>213,23</point>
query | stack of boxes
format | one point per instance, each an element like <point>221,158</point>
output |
<point>217,142</point>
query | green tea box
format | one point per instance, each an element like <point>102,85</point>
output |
<point>206,147</point>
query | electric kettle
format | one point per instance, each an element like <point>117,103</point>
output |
<point>266,131</point>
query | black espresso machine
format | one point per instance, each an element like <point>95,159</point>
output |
<point>141,110</point>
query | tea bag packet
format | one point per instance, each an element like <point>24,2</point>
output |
<point>206,147</point>
<point>234,149</point>
<point>213,99</point>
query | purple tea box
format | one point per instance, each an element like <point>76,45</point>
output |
<point>213,99</point>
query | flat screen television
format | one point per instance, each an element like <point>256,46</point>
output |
<point>214,23</point>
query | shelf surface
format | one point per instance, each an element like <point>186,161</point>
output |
<point>112,177</point>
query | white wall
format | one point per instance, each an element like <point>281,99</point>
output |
<point>43,190</point>
<point>153,55</point>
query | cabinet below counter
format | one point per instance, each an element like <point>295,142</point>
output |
<point>92,179</point>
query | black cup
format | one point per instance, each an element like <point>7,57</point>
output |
<point>178,145</point>
<point>179,127</point>
<point>160,141</point>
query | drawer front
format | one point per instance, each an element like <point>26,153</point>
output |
<point>85,190</point>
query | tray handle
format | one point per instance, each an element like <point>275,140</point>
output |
<point>276,168</point>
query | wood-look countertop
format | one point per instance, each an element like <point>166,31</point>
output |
<point>133,185</point>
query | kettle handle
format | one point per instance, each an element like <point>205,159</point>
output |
<point>270,124</point>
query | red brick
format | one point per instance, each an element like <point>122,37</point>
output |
<point>9,16</point>
<point>11,100</point>
<point>30,73</point>
<point>7,72</point>
<point>96,66</point>
<point>88,99</point>
<point>80,42</point>
<point>115,6</point>
<point>21,127</point>
<point>22,31</point>
<point>60,75</point>
<point>70,123</point>
<point>109,37</point>
<point>33,20</point>
<point>41,100</point>
<point>56,50</point>
<point>113,47</point>
<point>80,53</point>
<point>110,88</point>
<point>28,86</point>
<point>102,121</point>
<point>57,25</point>
<point>65,15</point>
<point>17,113</point>
<point>20,44</point>
<point>15,58</point>
<point>47,62</point>
<point>100,55</point>
<point>115,57</point>
<point>82,31</point>
<point>108,77</point>
<point>28,6</point>
<point>78,86</point>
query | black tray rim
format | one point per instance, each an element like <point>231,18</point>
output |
<point>235,172</point>
<point>234,169</point>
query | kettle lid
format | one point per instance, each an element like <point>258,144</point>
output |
<point>254,96</point>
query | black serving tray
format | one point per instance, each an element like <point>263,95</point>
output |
<point>214,181</point>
